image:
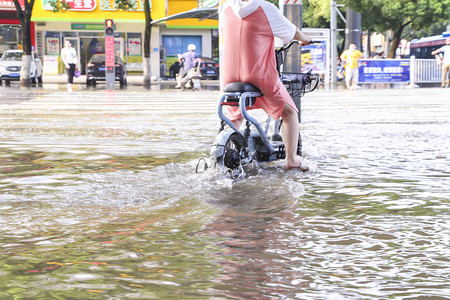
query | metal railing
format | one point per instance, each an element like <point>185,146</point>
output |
<point>425,71</point>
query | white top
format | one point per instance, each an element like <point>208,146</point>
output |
<point>281,26</point>
<point>446,50</point>
<point>69,55</point>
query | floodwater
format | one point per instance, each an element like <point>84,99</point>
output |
<point>99,200</point>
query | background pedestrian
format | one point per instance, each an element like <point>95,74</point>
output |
<point>445,62</point>
<point>69,58</point>
<point>351,58</point>
<point>187,59</point>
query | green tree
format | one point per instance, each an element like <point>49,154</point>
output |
<point>396,15</point>
<point>24,16</point>
<point>435,29</point>
<point>316,14</point>
<point>129,5</point>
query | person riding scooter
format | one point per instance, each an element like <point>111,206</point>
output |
<point>188,61</point>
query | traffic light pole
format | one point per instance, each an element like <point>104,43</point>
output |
<point>110,70</point>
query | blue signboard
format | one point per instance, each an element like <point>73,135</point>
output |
<point>384,70</point>
<point>314,57</point>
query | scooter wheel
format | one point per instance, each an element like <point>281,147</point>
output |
<point>231,159</point>
<point>231,156</point>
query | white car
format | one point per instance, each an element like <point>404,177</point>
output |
<point>11,63</point>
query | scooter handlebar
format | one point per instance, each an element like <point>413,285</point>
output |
<point>307,78</point>
<point>286,48</point>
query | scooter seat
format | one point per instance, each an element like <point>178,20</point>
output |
<point>241,87</point>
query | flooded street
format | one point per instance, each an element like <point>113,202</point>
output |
<point>99,199</point>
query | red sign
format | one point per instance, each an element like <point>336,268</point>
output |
<point>84,5</point>
<point>9,5</point>
<point>109,52</point>
<point>428,44</point>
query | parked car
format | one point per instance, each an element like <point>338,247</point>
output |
<point>174,69</point>
<point>95,70</point>
<point>11,63</point>
<point>209,69</point>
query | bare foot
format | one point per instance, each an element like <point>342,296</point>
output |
<point>296,164</point>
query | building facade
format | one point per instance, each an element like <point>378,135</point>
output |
<point>83,25</point>
<point>176,35</point>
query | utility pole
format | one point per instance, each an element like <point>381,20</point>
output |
<point>292,9</point>
<point>293,12</point>
<point>333,39</point>
<point>353,28</point>
<point>333,42</point>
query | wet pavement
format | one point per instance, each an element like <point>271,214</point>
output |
<point>99,199</point>
<point>134,82</point>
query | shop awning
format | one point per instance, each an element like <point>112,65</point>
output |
<point>210,13</point>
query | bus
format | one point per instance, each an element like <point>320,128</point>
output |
<point>422,48</point>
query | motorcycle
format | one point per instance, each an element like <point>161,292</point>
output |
<point>192,79</point>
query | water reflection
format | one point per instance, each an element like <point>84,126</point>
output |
<point>251,260</point>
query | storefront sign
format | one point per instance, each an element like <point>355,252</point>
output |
<point>134,63</point>
<point>75,5</point>
<point>9,5</point>
<point>50,65</point>
<point>207,3</point>
<point>83,5</point>
<point>52,45</point>
<point>134,46</point>
<point>384,70</point>
<point>88,5</point>
<point>88,27</point>
<point>111,5</point>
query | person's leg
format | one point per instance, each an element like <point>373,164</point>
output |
<point>71,72</point>
<point>448,75</point>
<point>290,132</point>
<point>180,77</point>
<point>445,77</point>
<point>355,77</point>
<point>348,77</point>
<point>351,78</point>
<point>237,123</point>
<point>185,77</point>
